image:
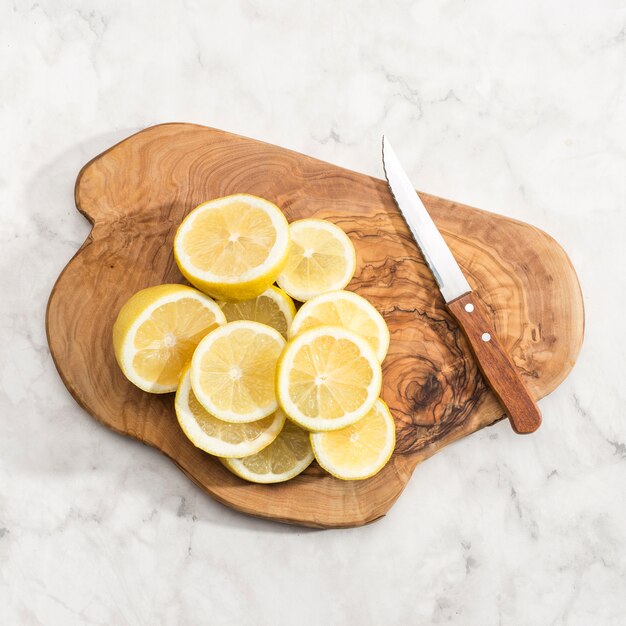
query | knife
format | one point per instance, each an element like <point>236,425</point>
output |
<point>496,365</point>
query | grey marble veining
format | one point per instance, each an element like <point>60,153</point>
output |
<point>516,107</point>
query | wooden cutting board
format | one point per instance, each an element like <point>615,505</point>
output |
<point>136,194</point>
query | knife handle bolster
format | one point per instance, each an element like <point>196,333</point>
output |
<point>496,365</point>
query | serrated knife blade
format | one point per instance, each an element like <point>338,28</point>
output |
<point>497,367</point>
<point>451,280</point>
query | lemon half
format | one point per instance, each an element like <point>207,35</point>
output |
<point>157,331</point>
<point>232,248</point>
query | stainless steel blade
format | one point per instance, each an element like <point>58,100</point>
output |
<point>442,263</point>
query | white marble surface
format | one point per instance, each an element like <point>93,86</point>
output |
<point>517,107</point>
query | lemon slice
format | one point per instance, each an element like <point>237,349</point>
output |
<point>360,450</point>
<point>233,371</point>
<point>156,332</point>
<point>273,307</point>
<point>321,259</point>
<point>218,437</point>
<point>328,378</point>
<point>232,248</point>
<point>348,310</point>
<point>287,456</point>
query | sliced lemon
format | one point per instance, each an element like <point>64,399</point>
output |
<point>218,437</point>
<point>233,371</point>
<point>273,308</point>
<point>232,248</point>
<point>328,378</point>
<point>287,456</point>
<point>156,332</point>
<point>348,310</point>
<point>360,450</point>
<point>321,259</point>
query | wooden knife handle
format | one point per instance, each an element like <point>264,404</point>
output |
<point>496,365</point>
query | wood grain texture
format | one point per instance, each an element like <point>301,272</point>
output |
<point>136,194</point>
<point>496,366</point>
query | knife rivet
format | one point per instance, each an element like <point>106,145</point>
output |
<point>486,337</point>
<point>469,307</point>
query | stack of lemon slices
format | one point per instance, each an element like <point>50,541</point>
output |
<point>258,384</point>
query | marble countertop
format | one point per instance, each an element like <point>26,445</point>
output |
<point>515,107</point>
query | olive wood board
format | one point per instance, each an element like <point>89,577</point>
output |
<point>136,194</point>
